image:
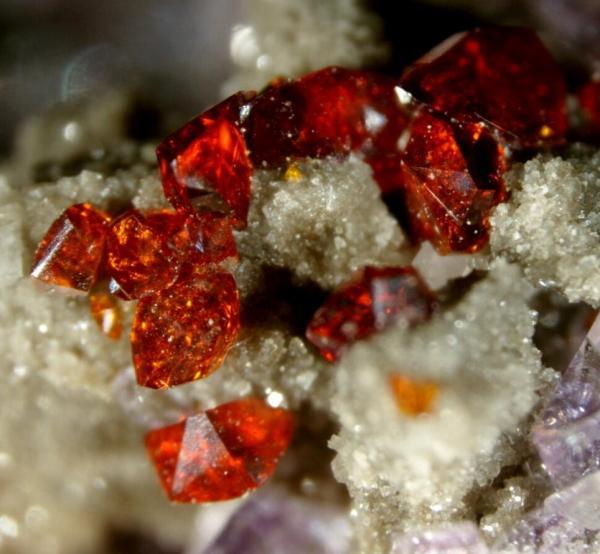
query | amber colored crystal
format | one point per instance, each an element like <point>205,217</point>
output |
<point>148,252</point>
<point>183,333</point>
<point>502,75</point>
<point>106,313</point>
<point>221,453</point>
<point>443,202</point>
<point>589,100</point>
<point>413,397</point>
<point>209,154</point>
<point>377,298</point>
<point>71,252</point>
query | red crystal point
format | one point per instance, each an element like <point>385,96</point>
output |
<point>221,453</point>
<point>71,252</point>
<point>589,100</point>
<point>183,333</point>
<point>443,203</point>
<point>503,75</point>
<point>209,154</point>
<point>148,252</point>
<point>371,303</point>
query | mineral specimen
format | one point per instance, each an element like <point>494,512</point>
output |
<point>589,100</point>
<point>221,453</point>
<point>107,314</point>
<point>457,538</point>
<point>372,302</point>
<point>183,332</point>
<point>71,253</point>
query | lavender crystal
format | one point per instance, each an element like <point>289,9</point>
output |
<point>458,538</point>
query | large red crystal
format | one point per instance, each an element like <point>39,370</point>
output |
<point>500,75</point>
<point>148,252</point>
<point>183,333</point>
<point>221,453</point>
<point>371,303</point>
<point>443,202</point>
<point>71,252</point>
<point>209,154</point>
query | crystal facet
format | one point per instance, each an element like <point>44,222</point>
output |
<point>106,313</point>
<point>567,434</point>
<point>502,76</point>
<point>376,299</point>
<point>183,333</point>
<point>221,453</point>
<point>71,252</point>
<point>456,538</point>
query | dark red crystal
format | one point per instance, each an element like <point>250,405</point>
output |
<point>589,100</point>
<point>503,76</point>
<point>377,298</point>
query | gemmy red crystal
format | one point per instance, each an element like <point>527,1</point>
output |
<point>148,252</point>
<point>209,154</point>
<point>501,75</point>
<point>183,333</point>
<point>443,203</point>
<point>377,298</point>
<point>221,453</point>
<point>589,100</point>
<point>71,252</point>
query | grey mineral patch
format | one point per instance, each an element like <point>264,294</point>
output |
<point>551,224</point>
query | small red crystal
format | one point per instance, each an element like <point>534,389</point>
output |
<point>106,313</point>
<point>183,333</point>
<point>503,76</point>
<point>71,252</point>
<point>371,303</point>
<point>589,100</point>
<point>209,154</point>
<point>148,252</point>
<point>221,453</point>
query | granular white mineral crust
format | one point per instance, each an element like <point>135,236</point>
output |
<point>404,470</point>
<point>287,38</point>
<point>323,220</point>
<point>551,224</point>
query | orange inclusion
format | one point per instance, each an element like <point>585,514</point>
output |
<point>413,397</point>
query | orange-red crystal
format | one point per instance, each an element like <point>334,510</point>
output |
<point>221,453</point>
<point>106,313</point>
<point>413,397</point>
<point>371,303</point>
<point>72,251</point>
<point>183,333</point>
<point>148,252</point>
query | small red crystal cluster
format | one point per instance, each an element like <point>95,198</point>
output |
<point>439,139</point>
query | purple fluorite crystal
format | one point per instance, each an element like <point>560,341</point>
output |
<point>458,538</point>
<point>274,522</point>
<point>567,434</point>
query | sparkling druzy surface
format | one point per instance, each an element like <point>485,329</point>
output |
<point>377,298</point>
<point>183,333</point>
<point>221,453</point>
<point>71,253</point>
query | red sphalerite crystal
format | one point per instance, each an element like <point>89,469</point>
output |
<point>443,202</point>
<point>148,252</point>
<point>332,111</point>
<point>209,154</point>
<point>589,100</point>
<point>183,333</point>
<point>71,252</point>
<point>371,303</point>
<point>501,75</point>
<point>221,453</point>
<point>106,313</point>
